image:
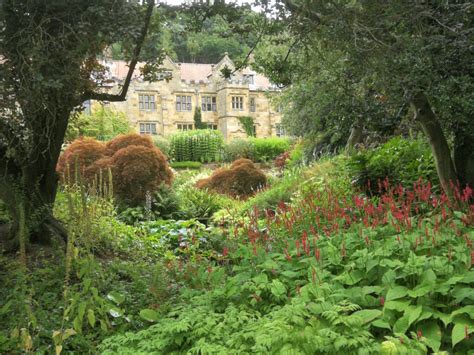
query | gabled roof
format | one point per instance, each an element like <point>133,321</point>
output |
<point>195,72</point>
<point>188,72</point>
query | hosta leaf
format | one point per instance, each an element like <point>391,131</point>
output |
<point>396,293</point>
<point>432,333</point>
<point>368,315</point>
<point>149,315</point>
<point>116,297</point>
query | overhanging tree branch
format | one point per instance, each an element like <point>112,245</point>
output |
<point>133,63</point>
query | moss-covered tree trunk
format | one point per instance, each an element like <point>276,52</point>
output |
<point>29,187</point>
<point>437,140</point>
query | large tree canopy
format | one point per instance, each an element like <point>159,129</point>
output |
<point>408,52</point>
<point>48,53</point>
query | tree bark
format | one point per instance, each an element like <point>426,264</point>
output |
<point>437,140</point>
<point>355,136</point>
<point>464,154</point>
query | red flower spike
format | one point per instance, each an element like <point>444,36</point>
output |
<point>419,333</point>
<point>317,255</point>
<point>382,301</point>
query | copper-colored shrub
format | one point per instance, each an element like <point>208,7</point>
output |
<point>81,154</point>
<point>241,180</point>
<point>136,170</point>
<point>125,140</point>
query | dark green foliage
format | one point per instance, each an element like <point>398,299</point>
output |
<point>161,204</point>
<point>401,161</point>
<point>201,204</point>
<point>4,215</point>
<point>198,119</point>
<point>199,145</point>
<point>186,165</point>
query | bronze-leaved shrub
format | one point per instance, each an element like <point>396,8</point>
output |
<point>242,179</point>
<point>137,166</point>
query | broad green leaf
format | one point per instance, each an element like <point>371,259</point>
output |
<point>401,325</point>
<point>466,309</point>
<point>421,290</point>
<point>413,314</point>
<point>445,318</point>
<point>149,315</point>
<point>278,289</point>
<point>432,333</point>
<point>115,312</point>
<point>380,323</point>
<point>116,297</point>
<point>396,293</point>
<point>368,315</point>
<point>459,333</point>
<point>400,306</point>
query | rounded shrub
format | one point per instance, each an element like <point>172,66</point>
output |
<point>125,140</point>
<point>242,179</point>
<point>137,170</point>
<point>238,148</point>
<point>79,156</point>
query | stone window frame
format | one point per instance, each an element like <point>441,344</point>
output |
<point>237,103</point>
<point>252,104</point>
<point>184,103</point>
<point>149,128</point>
<point>146,102</point>
<point>249,79</point>
<point>185,126</point>
<point>280,130</point>
<point>212,126</point>
<point>208,103</point>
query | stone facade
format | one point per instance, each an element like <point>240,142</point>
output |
<point>167,106</point>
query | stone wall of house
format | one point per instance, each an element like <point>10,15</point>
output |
<point>169,120</point>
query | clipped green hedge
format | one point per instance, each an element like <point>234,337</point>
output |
<point>186,165</point>
<point>202,145</point>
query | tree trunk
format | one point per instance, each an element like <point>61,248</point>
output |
<point>464,154</point>
<point>437,140</point>
<point>355,136</point>
<point>32,187</point>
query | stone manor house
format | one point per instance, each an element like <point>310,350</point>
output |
<point>167,106</point>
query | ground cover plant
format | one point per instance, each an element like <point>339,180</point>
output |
<point>332,273</point>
